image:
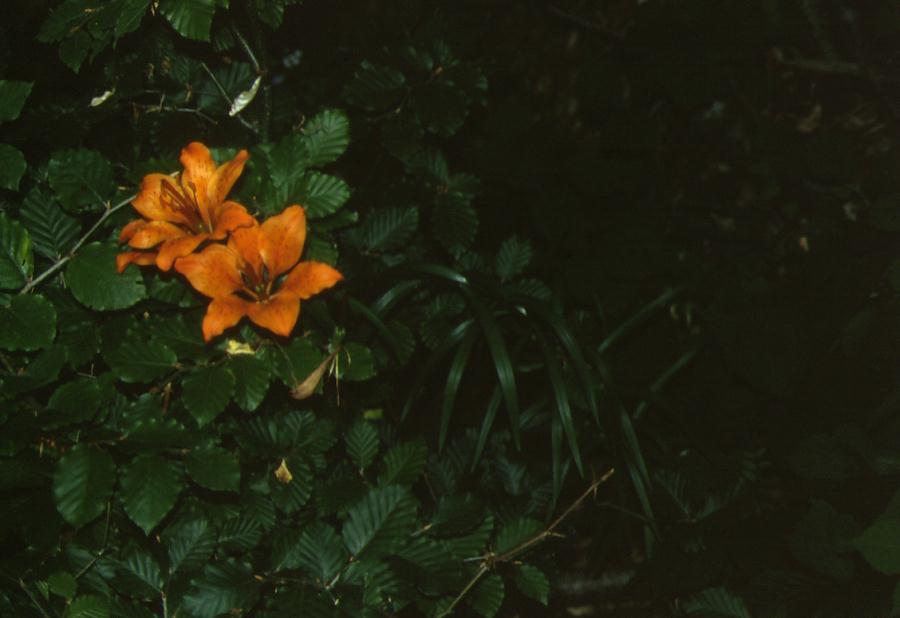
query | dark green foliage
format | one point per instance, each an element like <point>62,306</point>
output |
<point>647,237</point>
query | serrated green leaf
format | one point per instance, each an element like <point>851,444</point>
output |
<point>404,463</point>
<point>381,522</point>
<point>182,336</point>
<point>131,12</point>
<point>386,229</point>
<point>88,606</point>
<point>487,595</point>
<point>239,534</point>
<point>374,87</point>
<point>532,582</point>
<point>142,565</point>
<point>516,532</point>
<point>206,392</point>
<point>457,515</point>
<point>321,194</point>
<point>716,601</point>
<point>819,538</point>
<point>61,20</point>
<point>189,544</point>
<point>82,179</point>
<point>75,401</point>
<point>287,163</point>
<point>63,584</point>
<point>513,257</point>
<point>296,361</point>
<point>92,277</point>
<point>29,323</point>
<point>356,363</point>
<point>52,231</point>
<point>16,258</point>
<point>441,108</point>
<point>150,486</point>
<point>42,370</point>
<point>73,50</point>
<point>222,588</point>
<point>432,165</point>
<point>12,98</point>
<point>362,444</point>
<point>454,225</point>
<point>142,362</point>
<point>192,19</point>
<point>252,376</point>
<point>326,136</point>
<point>322,248</point>
<point>320,552</point>
<point>83,483</point>
<point>880,544</point>
<point>12,167</point>
<point>294,494</point>
<point>214,468</point>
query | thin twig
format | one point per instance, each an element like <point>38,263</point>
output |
<point>33,600</point>
<point>247,49</point>
<point>225,96</point>
<point>488,561</point>
<point>63,260</point>
<point>833,67</point>
<point>102,551</point>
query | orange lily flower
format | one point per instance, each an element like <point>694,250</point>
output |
<point>180,213</point>
<point>243,278</point>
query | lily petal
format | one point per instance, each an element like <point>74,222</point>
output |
<point>222,313</point>
<point>224,177</point>
<point>199,168</point>
<point>153,233</point>
<point>308,279</point>
<point>176,248</point>
<point>141,258</point>
<point>245,242</point>
<point>130,228</point>
<point>213,271</point>
<point>149,201</point>
<point>278,314</point>
<point>230,217</point>
<point>282,238</point>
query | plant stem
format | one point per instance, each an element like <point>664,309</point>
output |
<point>490,559</point>
<point>63,260</point>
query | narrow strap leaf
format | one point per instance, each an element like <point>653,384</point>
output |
<point>454,377</point>
<point>561,399</point>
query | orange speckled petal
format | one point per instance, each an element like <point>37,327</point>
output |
<point>148,201</point>
<point>129,229</point>
<point>179,247</point>
<point>309,278</point>
<point>278,314</point>
<point>141,258</point>
<point>225,176</point>
<point>245,242</point>
<point>231,216</point>
<point>281,239</point>
<point>199,168</point>
<point>153,233</point>
<point>223,313</point>
<point>213,271</point>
